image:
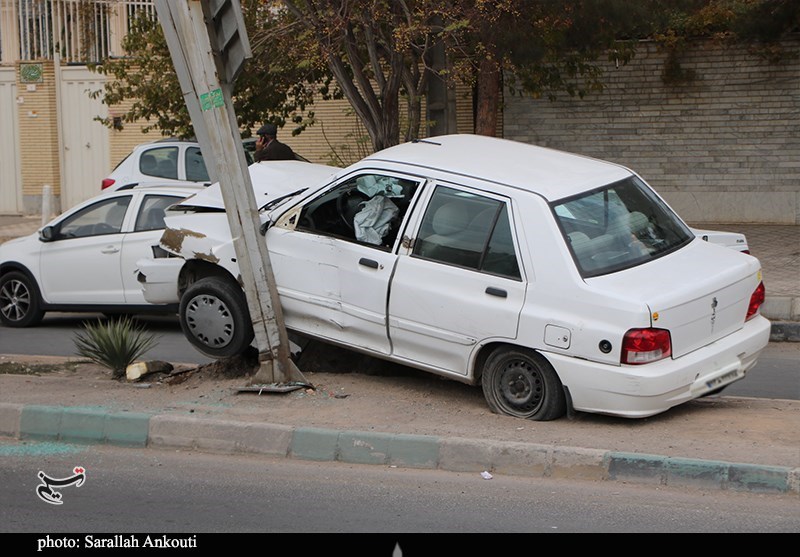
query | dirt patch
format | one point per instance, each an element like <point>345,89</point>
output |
<point>355,392</point>
<point>22,368</point>
<point>315,357</point>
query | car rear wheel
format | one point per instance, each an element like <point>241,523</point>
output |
<point>20,305</point>
<point>522,384</point>
<point>215,319</point>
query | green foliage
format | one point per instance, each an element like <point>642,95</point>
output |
<point>274,85</point>
<point>114,344</point>
<point>379,54</point>
<point>760,24</point>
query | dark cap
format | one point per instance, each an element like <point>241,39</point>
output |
<point>268,129</point>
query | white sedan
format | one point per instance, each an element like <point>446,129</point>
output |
<point>557,282</point>
<point>85,259</point>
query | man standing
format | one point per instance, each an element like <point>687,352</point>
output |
<point>268,148</point>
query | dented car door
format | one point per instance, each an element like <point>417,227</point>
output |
<point>333,256</point>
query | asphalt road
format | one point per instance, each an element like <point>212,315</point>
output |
<point>152,491</point>
<point>55,337</point>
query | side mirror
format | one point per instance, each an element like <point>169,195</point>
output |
<point>47,234</point>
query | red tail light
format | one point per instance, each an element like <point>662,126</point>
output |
<point>642,346</point>
<point>106,183</point>
<point>755,301</point>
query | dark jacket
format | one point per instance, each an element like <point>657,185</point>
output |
<point>274,151</point>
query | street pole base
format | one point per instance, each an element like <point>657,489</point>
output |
<point>276,378</point>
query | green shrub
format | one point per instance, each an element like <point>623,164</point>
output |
<point>115,344</point>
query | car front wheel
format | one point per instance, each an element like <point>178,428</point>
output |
<point>20,305</point>
<point>522,384</point>
<point>215,319</point>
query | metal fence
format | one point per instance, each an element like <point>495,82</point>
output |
<point>78,31</point>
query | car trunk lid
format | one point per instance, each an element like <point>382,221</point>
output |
<point>700,293</point>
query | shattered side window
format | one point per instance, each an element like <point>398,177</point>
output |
<point>368,209</point>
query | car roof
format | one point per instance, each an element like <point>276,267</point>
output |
<point>167,140</point>
<point>548,172</point>
<point>162,189</point>
<point>187,188</point>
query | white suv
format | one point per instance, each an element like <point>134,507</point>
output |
<point>166,161</point>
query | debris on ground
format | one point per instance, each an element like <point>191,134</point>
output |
<point>137,370</point>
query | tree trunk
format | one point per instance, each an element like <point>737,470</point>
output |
<point>488,97</point>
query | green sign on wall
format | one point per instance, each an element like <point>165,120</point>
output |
<point>31,73</point>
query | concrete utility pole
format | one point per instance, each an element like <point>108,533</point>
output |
<point>208,44</point>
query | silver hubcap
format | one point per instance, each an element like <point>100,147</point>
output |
<point>15,300</point>
<point>210,321</point>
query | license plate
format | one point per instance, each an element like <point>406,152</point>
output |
<point>722,379</point>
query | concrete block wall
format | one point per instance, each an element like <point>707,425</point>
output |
<point>722,148</point>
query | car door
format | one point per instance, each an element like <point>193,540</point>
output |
<point>333,256</point>
<point>459,282</point>
<point>146,230</point>
<point>81,265</point>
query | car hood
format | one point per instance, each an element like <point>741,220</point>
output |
<point>10,244</point>
<point>270,180</point>
<point>699,293</point>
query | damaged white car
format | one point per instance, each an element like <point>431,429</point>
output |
<point>558,282</point>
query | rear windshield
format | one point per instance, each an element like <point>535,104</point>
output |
<point>619,226</point>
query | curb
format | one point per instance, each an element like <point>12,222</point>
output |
<point>131,429</point>
<point>785,331</point>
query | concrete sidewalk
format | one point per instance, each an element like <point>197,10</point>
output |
<point>411,420</point>
<point>479,456</point>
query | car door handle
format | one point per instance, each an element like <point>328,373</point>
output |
<point>371,263</point>
<point>110,249</point>
<point>499,292</point>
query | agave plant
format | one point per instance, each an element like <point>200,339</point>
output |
<point>115,344</point>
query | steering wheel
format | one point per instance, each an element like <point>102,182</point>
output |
<point>348,204</point>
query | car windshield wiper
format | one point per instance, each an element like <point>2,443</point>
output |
<point>277,200</point>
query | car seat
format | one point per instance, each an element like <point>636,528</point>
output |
<point>154,219</point>
<point>148,165</point>
<point>447,243</point>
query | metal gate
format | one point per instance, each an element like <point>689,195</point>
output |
<point>86,156</point>
<point>10,176</point>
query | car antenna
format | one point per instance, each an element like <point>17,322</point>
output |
<point>424,141</point>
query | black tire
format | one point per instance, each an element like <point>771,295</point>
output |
<point>523,384</point>
<point>20,303</point>
<point>215,319</point>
